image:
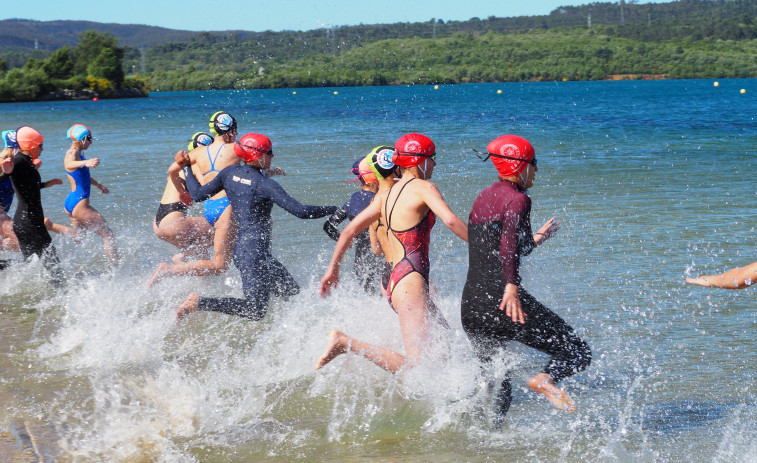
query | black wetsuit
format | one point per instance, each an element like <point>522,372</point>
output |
<point>499,233</point>
<point>29,219</point>
<point>368,265</point>
<point>252,197</point>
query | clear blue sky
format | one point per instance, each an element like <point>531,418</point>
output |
<point>275,15</point>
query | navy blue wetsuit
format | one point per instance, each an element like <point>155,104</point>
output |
<point>368,265</point>
<point>29,219</point>
<point>252,196</point>
<point>499,233</point>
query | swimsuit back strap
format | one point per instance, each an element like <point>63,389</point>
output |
<point>389,214</point>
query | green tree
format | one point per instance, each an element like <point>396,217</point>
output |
<point>107,65</point>
<point>59,65</point>
<point>91,43</point>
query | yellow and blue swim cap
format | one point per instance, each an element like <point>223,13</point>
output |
<point>222,123</point>
<point>380,161</point>
<point>79,132</point>
<point>199,139</point>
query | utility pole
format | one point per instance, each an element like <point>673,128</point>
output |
<point>622,15</point>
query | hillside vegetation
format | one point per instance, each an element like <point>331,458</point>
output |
<point>681,39</point>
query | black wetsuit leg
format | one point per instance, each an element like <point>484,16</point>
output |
<point>489,329</point>
<point>33,241</point>
<point>262,275</point>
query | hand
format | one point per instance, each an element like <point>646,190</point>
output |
<point>94,162</point>
<point>104,189</point>
<point>185,198</point>
<point>55,181</point>
<point>37,163</point>
<point>274,172</point>
<point>7,166</point>
<point>701,281</point>
<point>511,304</point>
<point>547,231</point>
<point>182,158</point>
<point>330,280</point>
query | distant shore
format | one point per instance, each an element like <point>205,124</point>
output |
<point>67,94</point>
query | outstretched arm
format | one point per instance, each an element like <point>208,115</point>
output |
<point>737,278</point>
<point>361,222</point>
<point>433,198</point>
<point>276,192</point>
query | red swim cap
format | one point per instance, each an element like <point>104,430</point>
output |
<point>28,138</point>
<point>252,146</point>
<point>411,149</point>
<point>510,154</point>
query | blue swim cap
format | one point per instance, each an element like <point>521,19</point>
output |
<point>9,137</point>
<point>78,132</point>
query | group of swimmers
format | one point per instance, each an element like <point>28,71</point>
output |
<point>28,231</point>
<point>391,216</point>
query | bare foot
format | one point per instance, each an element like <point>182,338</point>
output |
<point>543,384</point>
<point>336,347</point>
<point>178,258</point>
<point>49,224</point>
<point>159,274</point>
<point>190,304</point>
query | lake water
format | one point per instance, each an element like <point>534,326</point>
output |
<point>652,181</point>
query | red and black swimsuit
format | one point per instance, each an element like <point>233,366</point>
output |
<point>414,243</point>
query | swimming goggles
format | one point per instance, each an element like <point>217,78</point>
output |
<point>502,156</point>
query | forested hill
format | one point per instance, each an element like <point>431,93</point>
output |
<point>680,39</point>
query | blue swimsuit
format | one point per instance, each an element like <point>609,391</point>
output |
<point>83,184</point>
<point>214,207</point>
<point>6,194</point>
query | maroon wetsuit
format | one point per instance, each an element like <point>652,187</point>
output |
<point>499,233</point>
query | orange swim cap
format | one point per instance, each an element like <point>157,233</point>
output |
<point>28,138</point>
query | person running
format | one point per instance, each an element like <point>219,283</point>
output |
<point>409,211</point>
<point>77,206</point>
<point>252,196</point>
<point>379,160</point>
<point>8,240</point>
<point>29,219</point>
<point>367,267</point>
<point>192,235</point>
<point>207,161</point>
<point>495,308</point>
<point>736,278</point>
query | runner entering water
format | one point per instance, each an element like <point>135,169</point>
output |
<point>409,215</point>
<point>252,196</point>
<point>500,233</point>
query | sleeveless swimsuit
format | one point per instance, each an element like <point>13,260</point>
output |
<point>414,242</point>
<point>387,267</point>
<point>82,186</point>
<point>214,207</point>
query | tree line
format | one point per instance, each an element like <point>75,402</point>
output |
<point>95,64</point>
<point>681,39</point>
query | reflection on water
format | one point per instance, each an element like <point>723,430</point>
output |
<point>648,185</point>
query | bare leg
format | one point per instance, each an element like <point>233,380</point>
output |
<point>88,217</point>
<point>8,240</point>
<point>60,228</point>
<point>190,304</point>
<point>223,245</point>
<point>544,384</point>
<point>339,343</point>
